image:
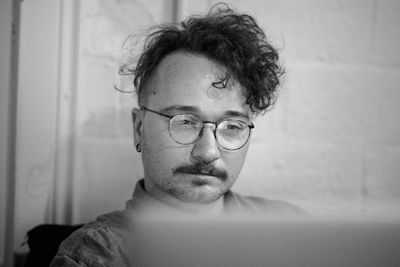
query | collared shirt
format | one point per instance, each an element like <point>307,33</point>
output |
<point>112,239</point>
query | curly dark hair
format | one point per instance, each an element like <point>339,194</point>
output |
<point>231,39</point>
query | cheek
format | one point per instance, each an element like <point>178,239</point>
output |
<point>156,135</point>
<point>234,160</point>
<point>160,152</point>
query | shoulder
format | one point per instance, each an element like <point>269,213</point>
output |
<point>268,207</point>
<point>98,243</point>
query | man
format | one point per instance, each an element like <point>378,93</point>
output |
<point>199,85</point>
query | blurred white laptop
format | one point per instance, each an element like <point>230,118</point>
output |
<point>267,243</point>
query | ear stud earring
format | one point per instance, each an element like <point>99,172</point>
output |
<point>138,149</point>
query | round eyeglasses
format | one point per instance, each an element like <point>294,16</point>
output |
<point>231,134</point>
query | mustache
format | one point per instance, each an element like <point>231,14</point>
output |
<point>201,169</point>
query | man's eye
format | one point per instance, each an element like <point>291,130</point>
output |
<point>187,122</point>
<point>184,121</point>
<point>233,127</point>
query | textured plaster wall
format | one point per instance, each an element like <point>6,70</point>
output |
<point>332,142</point>
<point>37,99</point>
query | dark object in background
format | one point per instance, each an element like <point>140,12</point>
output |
<point>43,242</point>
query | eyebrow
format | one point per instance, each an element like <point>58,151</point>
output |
<point>180,108</point>
<point>233,113</point>
<point>194,109</point>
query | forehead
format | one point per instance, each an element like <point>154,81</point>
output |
<point>186,79</point>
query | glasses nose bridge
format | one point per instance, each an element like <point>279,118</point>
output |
<point>214,130</point>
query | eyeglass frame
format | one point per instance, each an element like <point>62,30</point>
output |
<point>251,126</point>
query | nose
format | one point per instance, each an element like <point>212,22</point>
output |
<point>205,149</point>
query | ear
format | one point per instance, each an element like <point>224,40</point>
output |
<point>137,123</point>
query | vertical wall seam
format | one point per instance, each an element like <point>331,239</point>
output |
<point>12,135</point>
<point>175,11</point>
<point>62,200</point>
<point>74,67</point>
<point>52,205</point>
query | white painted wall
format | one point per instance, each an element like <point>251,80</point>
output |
<point>331,144</point>
<point>36,115</point>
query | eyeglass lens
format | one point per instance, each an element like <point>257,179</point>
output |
<point>230,134</point>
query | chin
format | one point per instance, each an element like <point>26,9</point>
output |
<point>203,194</point>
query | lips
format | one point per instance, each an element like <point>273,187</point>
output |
<point>206,173</point>
<point>201,169</point>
